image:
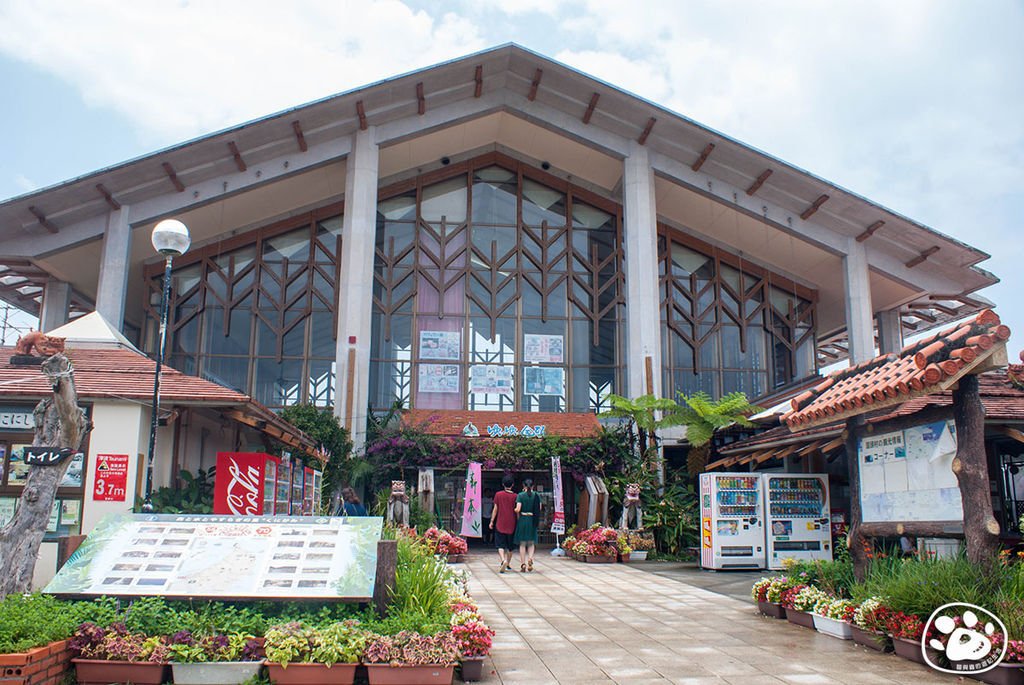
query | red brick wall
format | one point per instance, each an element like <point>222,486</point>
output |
<point>41,666</point>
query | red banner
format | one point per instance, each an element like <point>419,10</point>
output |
<point>111,481</point>
<point>238,489</point>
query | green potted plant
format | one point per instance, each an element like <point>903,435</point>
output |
<point>832,617</point>
<point>409,658</point>
<point>641,544</point>
<point>474,639</point>
<point>213,659</point>
<point>624,550</point>
<point>799,602</point>
<point>766,593</point>
<point>117,655</point>
<point>298,654</point>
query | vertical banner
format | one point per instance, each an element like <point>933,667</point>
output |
<point>558,517</point>
<point>471,524</point>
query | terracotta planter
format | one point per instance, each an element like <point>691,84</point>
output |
<point>472,668</point>
<point>386,674</point>
<point>215,672</point>
<point>312,674</point>
<point>911,650</point>
<point>800,618</point>
<point>598,559</point>
<point>1003,674</point>
<point>871,639</point>
<point>771,609</point>
<point>832,627</point>
<point>99,672</point>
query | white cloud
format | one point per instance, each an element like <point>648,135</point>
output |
<point>24,183</point>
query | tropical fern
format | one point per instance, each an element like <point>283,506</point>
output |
<point>703,417</point>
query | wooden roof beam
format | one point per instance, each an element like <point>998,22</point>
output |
<point>43,221</point>
<point>171,174</point>
<point>590,107</point>
<point>421,99</point>
<point>478,78</point>
<point>299,136</point>
<point>239,162</point>
<point>535,84</point>
<point>114,204</point>
<point>647,131</point>
<point>919,259</point>
<point>870,231</point>
<point>704,154</point>
<point>361,113</point>
<point>759,181</point>
<point>815,206</point>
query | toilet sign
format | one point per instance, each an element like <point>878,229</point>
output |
<point>111,481</point>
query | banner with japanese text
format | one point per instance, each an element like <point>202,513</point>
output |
<point>558,518</point>
<point>471,524</point>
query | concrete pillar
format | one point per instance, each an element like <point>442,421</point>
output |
<point>355,287</point>
<point>859,314</point>
<point>113,282</point>
<point>56,305</point>
<point>890,331</point>
<point>643,320</point>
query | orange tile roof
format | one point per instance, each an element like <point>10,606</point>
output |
<point>921,368</point>
<point>452,421</point>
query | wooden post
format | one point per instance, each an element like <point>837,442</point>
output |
<point>854,538</point>
<point>981,530</point>
<point>387,567</point>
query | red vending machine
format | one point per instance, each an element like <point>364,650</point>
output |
<point>246,484</point>
<point>307,495</point>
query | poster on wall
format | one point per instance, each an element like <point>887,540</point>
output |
<point>73,476</point>
<point>253,557</point>
<point>541,380</point>
<point>543,349</point>
<point>19,469</point>
<point>440,345</point>
<point>490,379</point>
<point>111,482</point>
<point>439,378</point>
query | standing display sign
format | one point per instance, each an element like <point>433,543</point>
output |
<point>111,481</point>
<point>471,524</point>
<point>558,517</point>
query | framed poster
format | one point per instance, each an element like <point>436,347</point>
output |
<point>111,482</point>
<point>540,380</point>
<point>440,345</point>
<point>543,349</point>
<point>439,378</point>
<point>19,469</point>
<point>252,557</point>
<point>491,379</point>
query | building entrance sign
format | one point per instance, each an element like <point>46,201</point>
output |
<point>250,557</point>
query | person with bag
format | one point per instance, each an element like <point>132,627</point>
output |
<point>503,521</point>
<point>528,513</point>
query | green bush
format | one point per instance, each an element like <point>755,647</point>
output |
<point>834,577</point>
<point>421,582</point>
<point>28,621</point>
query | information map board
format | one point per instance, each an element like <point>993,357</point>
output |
<point>238,557</point>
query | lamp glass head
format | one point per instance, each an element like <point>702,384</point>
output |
<point>170,238</point>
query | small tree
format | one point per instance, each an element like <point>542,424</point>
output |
<point>643,414</point>
<point>703,417</point>
<point>323,426</point>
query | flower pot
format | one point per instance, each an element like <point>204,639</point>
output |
<point>598,559</point>
<point>911,650</point>
<point>1003,674</point>
<point>771,609</point>
<point>100,672</point>
<point>871,639</point>
<point>456,558</point>
<point>312,674</point>
<point>215,673</point>
<point>801,618</point>
<point>624,558</point>
<point>472,668</point>
<point>386,674</point>
<point>830,626</point>
<point>638,555</point>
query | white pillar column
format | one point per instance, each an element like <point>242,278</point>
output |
<point>643,320</point>
<point>112,286</point>
<point>56,305</point>
<point>890,331</point>
<point>355,286</point>
<point>859,313</point>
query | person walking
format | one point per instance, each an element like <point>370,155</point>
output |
<point>351,505</point>
<point>503,522</point>
<point>528,509</point>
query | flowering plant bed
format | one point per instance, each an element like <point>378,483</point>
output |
<point>597,541</point>
<point>408,657</point>
<point>872,639</point>
<point>117,655</point>
<point>833,627</point>
<point>445,543</point>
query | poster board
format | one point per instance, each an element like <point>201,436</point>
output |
<point>440,345</point>
<point>439,378</point>
<point>239,557</point>
<point>908,476</point>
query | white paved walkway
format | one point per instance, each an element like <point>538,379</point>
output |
<point>570,622</point>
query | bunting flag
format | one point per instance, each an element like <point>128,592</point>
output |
<point>558,518</point>
<point>471,524</point>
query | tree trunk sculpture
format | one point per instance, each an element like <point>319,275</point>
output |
<point>59,422</point>
<point>981,530</point>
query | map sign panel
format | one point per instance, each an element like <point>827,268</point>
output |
<point>250,557</point>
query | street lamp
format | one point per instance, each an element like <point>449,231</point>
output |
<point>171,239</point>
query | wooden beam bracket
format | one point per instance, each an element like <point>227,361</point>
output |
<point>171,174</point>
<point>239,162</point>
<point>43,221</point>
<point>590,107</point>
<point>647,131</point>
<point>297,128</point>
<point>361,112</point>
<point>708,149</point>
<point>870,231</point>
<point>421,99</point>
<point>114,204</point>
<point>478,78</point>
<point>535,84</point>
<point>919,259</point>
<point>815,206</point>
<point>756,185</point>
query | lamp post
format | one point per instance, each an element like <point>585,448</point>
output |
<point>171,239</point>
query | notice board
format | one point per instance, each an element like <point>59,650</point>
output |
<point>908,476</point>
<point>239,557</point>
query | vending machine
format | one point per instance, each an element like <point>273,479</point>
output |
<point>246,484</point>
<point>798,524</point>
<point>732,521</point>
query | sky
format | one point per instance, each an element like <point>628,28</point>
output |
<point>917,104</point>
